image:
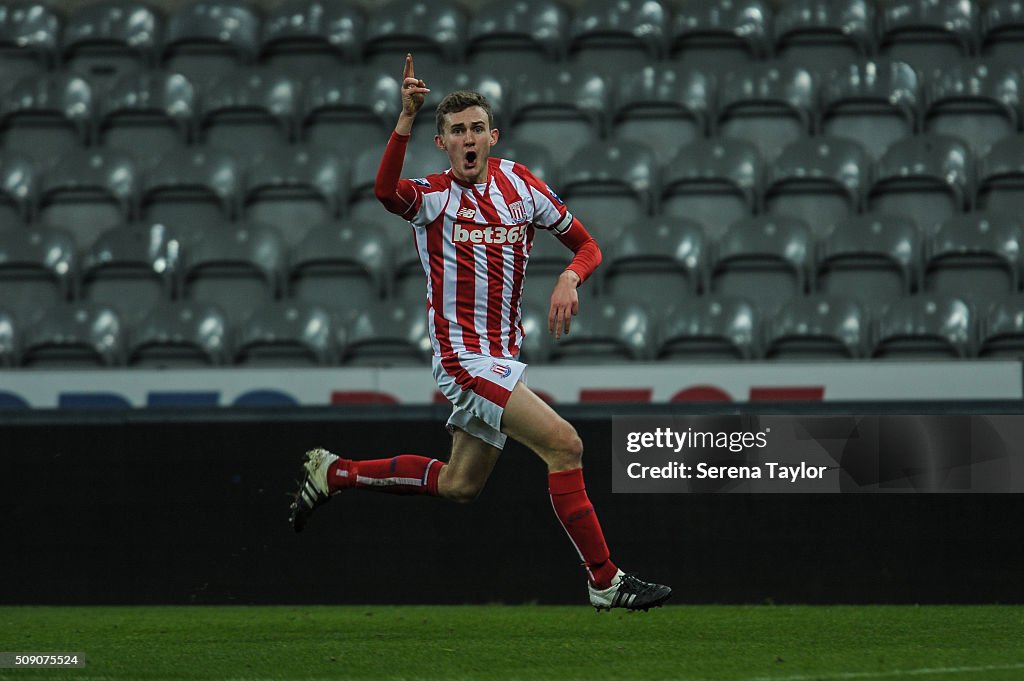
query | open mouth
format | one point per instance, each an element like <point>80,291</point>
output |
<point>471,158</point>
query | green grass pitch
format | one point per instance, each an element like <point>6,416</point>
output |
<point>527,643</point>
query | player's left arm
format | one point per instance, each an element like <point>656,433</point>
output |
<point>565,302</point>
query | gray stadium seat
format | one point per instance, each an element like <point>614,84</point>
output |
<point>420,161</point>
<point>390,334</point>
<point>149,113</point>
<point>248,111</point>
<point>313,36</point>
<point>975,256</point>
<point>1002,30</point>
<point>293,188</point>
<point>130,269</point>
<point>110,38</point>
<point>978,102</point>
<point>343,265</point>
<point>18,184</point>
<point>770,105</point>
<point>180,334</point>
<point>192,186</point>
<point>75,335</point>
<point>237,267</point>
<point>925,326</point>
<point>715,182</point>
<point>928,34</point>
<point>664,106</point>
<point>29,39</point>
<point>926,177</point>
<point>503,35</point>
<point>824,33</point>
<point>88,191</point>
<point>612,331</point>
<point>873,258</point>
<point>207,38</point>
<point>817,327</point>
<point>538,158</point>
<point>38,269</point>
<point>873,102</point>
<point>288,333</point>
<point>9,340</point>
<point>709,328</point>
<point>350,110</point>
<point>492,84</point>
<point>535,348</point>
<point>721,34</point>
<point>819,179</point>
<point>621,33</point>
<point>46,115</point>
<point>666,259</point>
<point>1001,327</point>
<point>609,184</point>
<point>765,259</point>
<point>435,32</point>
<point>1000,181</point>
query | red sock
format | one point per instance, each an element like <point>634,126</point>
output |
<point>403,474</point>
<point>576,513</point>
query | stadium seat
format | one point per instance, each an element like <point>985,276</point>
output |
<point>819,327</point>
<point>250,110</point>
<point>237,267</point>
<point>46,115</point>
<point>709,328</point>
<point>721,34</point>
<point>548,259</point>
<point>1000,182</point>
<point>149,113</point>
<point>29,39</point>
<point>873,258</point>
<point>765,259</point>
<point>561,108</point>
<point>38,269</point>
<point>978,102</point>
<point>824,33</point>
<point>180,334</point>
<point>975,256</point>
<point>873,102</point>
<point>926,177</point>
<point>819,179</point>
<point>535,348</point>
<point>74,335</point>
<point>663,106</point>
<point>925,326</point>
<point>110,38</point>
<point>1002,30</point>
<point>434,32</point>
<point>621,33</point>
<point>350,110</point>
<point>505,35</point>
<point>612,331</point>
<point>420,161</point>
<point>928,34</point>
<point>666,259</point>
<point>308,37</point>
<point>390,334</point>
<point>715,182</point>
<point>343,265</point>
<point>493,85</point>
<point>538,158</point>
<point>293,188</point>
<point>130,269</point>
<point>288,333</point>
<point>1001,327</point>
<point>207,38</point>
<point>192,186</point>
<point>88,191</point>
<point>9,341</point>
<point>770,105</point>
<point>608,184</point>
<point>18,185</point>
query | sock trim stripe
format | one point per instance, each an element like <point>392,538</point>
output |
<point>389,482</point>
<point>426,472</point>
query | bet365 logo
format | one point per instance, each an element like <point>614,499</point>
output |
<point>501,235</point>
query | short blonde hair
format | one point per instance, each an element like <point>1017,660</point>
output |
<point>460,100</point>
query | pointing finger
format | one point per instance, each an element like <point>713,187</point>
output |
<point>409,71</point>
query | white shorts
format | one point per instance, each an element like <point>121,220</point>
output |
<point>478,386</point>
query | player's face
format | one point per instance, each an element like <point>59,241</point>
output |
<point>468,140</point>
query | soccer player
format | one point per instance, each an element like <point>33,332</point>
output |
<point>474,225</point>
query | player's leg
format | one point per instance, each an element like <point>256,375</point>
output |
<point>468,468</point>
<point>531,421</point>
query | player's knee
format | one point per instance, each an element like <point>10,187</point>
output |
<point>568,449</point>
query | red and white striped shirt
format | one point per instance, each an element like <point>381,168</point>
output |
<point>474,242</point>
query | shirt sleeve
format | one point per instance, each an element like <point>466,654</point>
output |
<point>401,197</point>
<point>587,253</point>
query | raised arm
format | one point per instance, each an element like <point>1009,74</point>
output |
<point>397,195</point>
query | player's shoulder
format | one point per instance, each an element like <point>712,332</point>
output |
<point>512,167</point>
<point>435,182</point>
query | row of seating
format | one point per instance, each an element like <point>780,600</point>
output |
<point>317,33</point>
<point>723,328</point>
<point>348,108</point>
<point>768,260</point>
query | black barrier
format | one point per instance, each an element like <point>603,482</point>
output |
<point>133,507</point>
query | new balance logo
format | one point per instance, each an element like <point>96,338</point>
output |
<point>501,235</point>
<point>466,213</point>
